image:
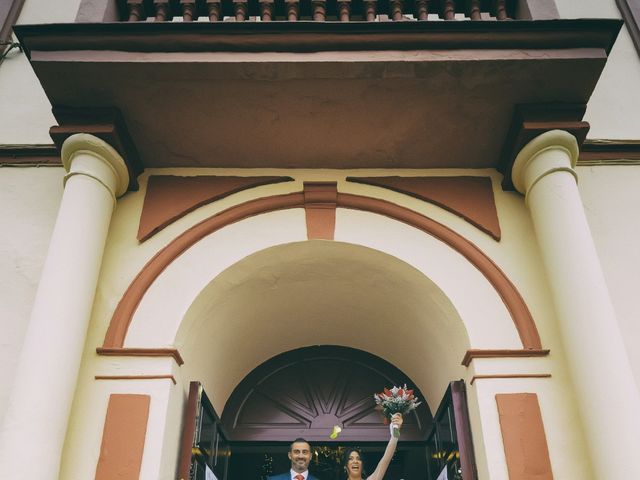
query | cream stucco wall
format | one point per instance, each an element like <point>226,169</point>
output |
<point>28,119</point>
<point>516,254</point>
<point>567,449</point>
<point>587,9</point>
<point>611,198</point>
<point>613,110</point>
<point>124,257</point>
<point>164,423</point>
<point>29,199</point>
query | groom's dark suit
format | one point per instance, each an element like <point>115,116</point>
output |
<point>287,476</point>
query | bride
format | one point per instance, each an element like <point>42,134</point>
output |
<point>353,461</point>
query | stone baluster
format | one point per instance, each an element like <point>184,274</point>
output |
<point>474,10</point>
<point>188,10</point>
<point>292,8</point>
<point>213,10</point>
<point>449,9</point>
<point>422,9</point>
<point>395,10</point>
<point>369,10</point>
<point>344,10</point>
<point>319,8</point>
<point>500,9</point>
<point>162,11</point>
<point>136,10</point>
<point>240,10</point>
<point>266,10</point>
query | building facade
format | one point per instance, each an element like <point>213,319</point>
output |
<point>240,197</point>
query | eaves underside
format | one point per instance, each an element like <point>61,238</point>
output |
<point>321,36</point>
<point>316,94</point>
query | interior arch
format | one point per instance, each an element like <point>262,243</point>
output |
<point>321,293</point>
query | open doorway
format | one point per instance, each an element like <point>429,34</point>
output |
<point>305,393</point>
<point>256,462</point>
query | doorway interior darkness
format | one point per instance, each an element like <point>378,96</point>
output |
<point>255,462</point>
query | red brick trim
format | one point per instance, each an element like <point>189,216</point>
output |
<point>136,377</point>
<point>169,198</point>
<point>501,353</point>
<point>133,296</point>
<point>141,352</point>
<point>508,375</point>
<point>320,209</point>
<point>512,299</point>
<point>470,198</point>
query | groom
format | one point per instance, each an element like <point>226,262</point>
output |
<point>300,456</point>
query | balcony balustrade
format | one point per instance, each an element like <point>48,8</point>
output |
<point>316,10</point>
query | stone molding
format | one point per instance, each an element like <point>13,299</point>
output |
<point>79,151</point>
<point>529,168</point>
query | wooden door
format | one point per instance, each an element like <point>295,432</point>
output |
<point>204,448</point>
<point>305,392</point>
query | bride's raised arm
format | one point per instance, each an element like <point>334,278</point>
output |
<point>384,462</point>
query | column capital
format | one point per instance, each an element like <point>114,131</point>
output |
<point>552,151</point>
<point>85,154</point>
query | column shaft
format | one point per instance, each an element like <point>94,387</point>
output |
<point>35,423</point>
<point>607,394</point>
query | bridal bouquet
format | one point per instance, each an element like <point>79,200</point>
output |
<point>397,400</point>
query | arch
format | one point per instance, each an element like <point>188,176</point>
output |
<point>309,293</point>
<point>510,296</point>
<point>275,403</point>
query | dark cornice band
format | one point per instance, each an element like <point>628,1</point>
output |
<point>319,36</point>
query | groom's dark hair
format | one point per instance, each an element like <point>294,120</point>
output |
<point>299,440</point>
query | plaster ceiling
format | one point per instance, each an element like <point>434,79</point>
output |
<point>322,293</point>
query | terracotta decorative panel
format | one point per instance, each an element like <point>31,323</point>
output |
<point>123,437</point>
<point>471,198</point>
<point>525,443</point>
<point>168,197</point>
<point>320,201</point>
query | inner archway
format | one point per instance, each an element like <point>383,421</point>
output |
<point>321,293</point>
<point>297,296</point>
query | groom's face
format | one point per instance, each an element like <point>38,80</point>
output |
<point>300,456</point>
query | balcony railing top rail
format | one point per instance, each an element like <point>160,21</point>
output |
<point>315,10</point>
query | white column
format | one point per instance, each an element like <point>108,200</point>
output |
<point>607,395</point>
<point>35,423</point>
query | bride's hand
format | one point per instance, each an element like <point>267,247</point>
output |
<point>396,419</point>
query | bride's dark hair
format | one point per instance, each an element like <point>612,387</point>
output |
<point>345,460</point>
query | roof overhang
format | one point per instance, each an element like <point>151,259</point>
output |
<point>310,94</point>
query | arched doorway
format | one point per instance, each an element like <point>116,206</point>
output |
<point>321,293</point>
<point>294,297</point>
<point>304,393</point>
<point>313,293</point>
